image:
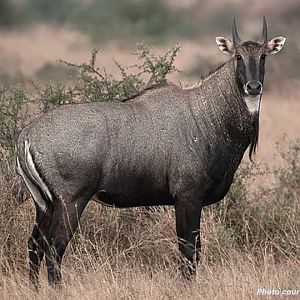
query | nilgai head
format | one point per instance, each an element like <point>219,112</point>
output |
<point>250,59</point>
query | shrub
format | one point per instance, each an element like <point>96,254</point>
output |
<point>95,84</point>
<point>13,116</point>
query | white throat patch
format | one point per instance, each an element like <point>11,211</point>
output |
<point>253,103</point>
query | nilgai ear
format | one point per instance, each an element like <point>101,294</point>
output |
<point>275,45</point>
<point>225,45</point>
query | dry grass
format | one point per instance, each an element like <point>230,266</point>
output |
<point>238,278</point>
<point>250,241</point>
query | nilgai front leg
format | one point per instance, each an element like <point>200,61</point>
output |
<point>188,211</point>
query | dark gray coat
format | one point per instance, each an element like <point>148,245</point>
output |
<point>146,150</point>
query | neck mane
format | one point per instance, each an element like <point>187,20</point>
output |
<point>227,101</point>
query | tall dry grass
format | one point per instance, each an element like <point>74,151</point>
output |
<point>250,241</point>
<point>238,278</point>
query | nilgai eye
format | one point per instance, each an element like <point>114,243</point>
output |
<point>238,57</point>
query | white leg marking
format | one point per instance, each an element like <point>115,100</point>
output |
<point>37,197</point>
<point>33,171</point>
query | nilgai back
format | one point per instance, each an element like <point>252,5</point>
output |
<point>167,146</point>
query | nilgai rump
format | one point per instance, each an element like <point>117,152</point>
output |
<point>167,146</point>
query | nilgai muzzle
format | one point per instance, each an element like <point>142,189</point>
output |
<point>166,146</point>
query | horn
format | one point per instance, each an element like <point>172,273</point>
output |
<point>263,36</point>
<point>235,36</point>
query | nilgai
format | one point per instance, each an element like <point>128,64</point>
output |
<point>166,146</point>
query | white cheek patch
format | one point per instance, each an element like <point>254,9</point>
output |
<point>253,103</point>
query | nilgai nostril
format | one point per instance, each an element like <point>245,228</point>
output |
<point>166,146</point>
<point>254,87</point>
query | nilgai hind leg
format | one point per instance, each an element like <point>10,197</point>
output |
<point>65,219</point>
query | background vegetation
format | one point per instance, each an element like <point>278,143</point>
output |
<point>155,21</point>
